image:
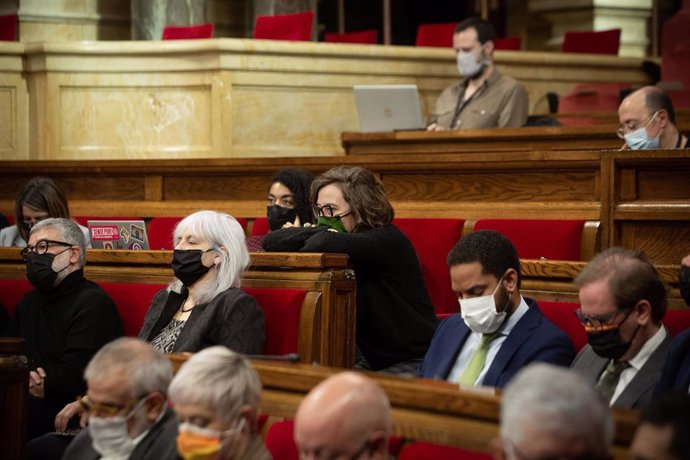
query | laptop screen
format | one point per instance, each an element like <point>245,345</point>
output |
<point>118,234</point>
<point>384,108</point>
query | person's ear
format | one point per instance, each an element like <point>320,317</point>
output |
<point>378,445</point>
<point>74,254</point>
<point>154,405</point>
<point>662,116</point>
<point>644,312</point>
<point>252,416</point>
<point>510,280</point>
<point>489,47</point>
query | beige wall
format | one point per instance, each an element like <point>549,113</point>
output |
<point>230,97</point>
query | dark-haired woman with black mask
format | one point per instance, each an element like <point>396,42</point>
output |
<point>204,305</point>
<point>288,202</point>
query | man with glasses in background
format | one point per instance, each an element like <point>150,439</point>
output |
<point>648,121</point>
<point>622,303</point>
<point>64,321</point>
<point>126,404</point>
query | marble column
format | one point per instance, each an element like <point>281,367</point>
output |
<point>149,17</point>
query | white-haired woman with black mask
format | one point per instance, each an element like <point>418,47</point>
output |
<point>204,305</point>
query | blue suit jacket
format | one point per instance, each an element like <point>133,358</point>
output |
<point>676,372</point>
<point>534,338</point>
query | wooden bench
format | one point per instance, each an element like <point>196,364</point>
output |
<point>641,198</point>
<point>327,318</point>
<point>424,410</point>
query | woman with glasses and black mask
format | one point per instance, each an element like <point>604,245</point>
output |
<point>288,202</point>
<point>40,199</point>
<point>395,317</point>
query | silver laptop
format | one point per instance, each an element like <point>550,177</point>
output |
<point>388,108</point>
<point>118,234</point>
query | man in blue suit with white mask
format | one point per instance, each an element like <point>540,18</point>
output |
<point>497,331</point>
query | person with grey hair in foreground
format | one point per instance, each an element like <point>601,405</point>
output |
<point>345,416</point>
<point>552,412</point>
<point>127,406</point>
<point>217,395</point>
<point>64,321</point>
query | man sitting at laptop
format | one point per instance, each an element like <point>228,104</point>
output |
<point>485,98</point>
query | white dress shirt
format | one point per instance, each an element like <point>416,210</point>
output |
<point>472,343</point>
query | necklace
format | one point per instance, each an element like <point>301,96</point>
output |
<point>182,310</point>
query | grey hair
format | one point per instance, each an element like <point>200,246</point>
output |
<point>69,233</point>
<point>227,240</point>
<point>218,379</point>
<point>556,400</point>
<point>148,369</point>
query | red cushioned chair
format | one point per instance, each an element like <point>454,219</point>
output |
<point>282,309</point>
<point>260,226</point>
<point>83,220</point>
<point>508,43</point>
<point>188,32</point>
<point>295,27</point>
<point>367,37</point>
<point>425,451</point>
<point>603,42</point>
<point>677,320</point>
<point>8,28</point>
<point>675,58</point>
<point>132,301</point>
<point>433,239</point>
<point>562,314</point>
<point>12,291</point>
<point>160,232</point>
<point>592,97</point>
<point>534,239</point>
<point>436,35</point>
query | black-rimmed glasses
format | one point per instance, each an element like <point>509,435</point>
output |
<point>327,211</point>
<point>599,323</point>
<point>42,247</point>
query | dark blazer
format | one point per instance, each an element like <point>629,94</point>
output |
<point>676,372</point>
<point>232,319</point>
<point>534,338</point>
<point>158,444</point>
<point>639,391</point>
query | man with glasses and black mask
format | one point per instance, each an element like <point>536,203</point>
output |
<point>64,321</point>
<point>498,331</point>
<point>126,404</point>
<point>622,303</point>
<point>485,98</point>
<point>648,121</point>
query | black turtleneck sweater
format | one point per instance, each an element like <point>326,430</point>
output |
<point>62,331</point>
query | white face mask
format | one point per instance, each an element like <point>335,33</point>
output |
<point>640,140</point>
<point>468,66</point>
<point>480,313</point>
<point>110,435</point>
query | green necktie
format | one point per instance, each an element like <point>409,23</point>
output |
<point>474,368</point>
<point>609,379</point>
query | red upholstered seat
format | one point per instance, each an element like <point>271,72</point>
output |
<point>602,42</point>
<point>508,43</point>
<point>8,27</point>
<point>260,226</point>
<point>436,35</point>
<point>280,442</point>
<point>562,314</point>
<point>432,240</point>
<point>675,58</point>
<point>425,451</point>
<point>295,27</point>
<point>160,232</point>
<point>83,220</point>
<point>592,97</point>
<point>282,308</point>
<point>188,32</point>
<point>132,301</point>
<point>534,239</point>
<point>12,291</point>
<point>367,37</point>
<point>677,320</point>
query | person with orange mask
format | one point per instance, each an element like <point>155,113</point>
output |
<point>216,395</point>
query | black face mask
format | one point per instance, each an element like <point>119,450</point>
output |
<point>187,265</point>
<point>608,344</point>
<point>40,273</point>
<point>684,284</point>
<point>279,216</point>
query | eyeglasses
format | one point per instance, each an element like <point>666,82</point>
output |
<point>41,247</point>
<point>327,211</point>
<point>107,409</point>
<point>600,323</point>
<point>630,127</point>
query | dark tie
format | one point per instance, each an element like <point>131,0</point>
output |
<point>609,380</point>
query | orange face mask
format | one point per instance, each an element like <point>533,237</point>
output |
<point>196,443</point>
